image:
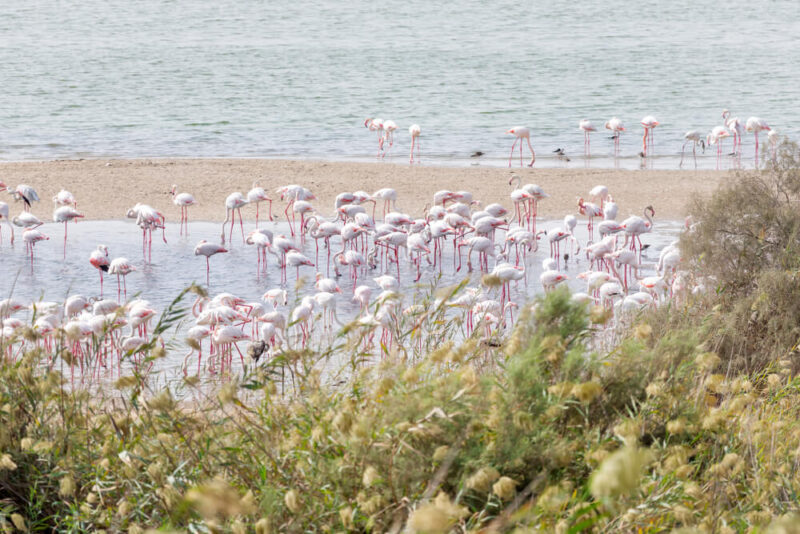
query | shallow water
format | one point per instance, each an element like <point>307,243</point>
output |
<point>174,267</point>
<point>297,79</point>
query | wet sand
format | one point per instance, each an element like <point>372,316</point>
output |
<point>106,189</point>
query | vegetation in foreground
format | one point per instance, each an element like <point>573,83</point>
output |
<point>690,422</point>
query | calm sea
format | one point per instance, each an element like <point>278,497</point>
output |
<point>247,78</point>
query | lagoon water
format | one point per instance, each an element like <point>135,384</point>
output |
<point>248,78</point>
<point>174,267</point>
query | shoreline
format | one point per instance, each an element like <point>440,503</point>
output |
<point>106,188</point>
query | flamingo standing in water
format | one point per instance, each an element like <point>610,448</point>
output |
<point>696,138</point>
<point>520,133</point>
<point>233,203</point>
<point>615,125</point>
<point>715,138</point>
<point>65,198</point>
<point>587,127</point>
<point>414,131</point>
<point>4,215</point>
<point>121,267</point>
<point>389,127</point>
<point>649,123</point>
<point>204,248</point>
<point>31,237</point>
<point>65,214</point>
<point>99,260</point>
<point>183,201</point>
<point>755,125</point>
<point>376,125</point>
<point>736,128</point>
<point>256,196</point>
<point>291,194</point>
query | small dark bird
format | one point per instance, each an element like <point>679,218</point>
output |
<point>476,154</point>
<point>256,349</point>
<point>561,154</point>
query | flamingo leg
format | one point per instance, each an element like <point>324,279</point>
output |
<point>512,153</point>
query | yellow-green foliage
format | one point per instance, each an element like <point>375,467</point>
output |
<point>652,436</point>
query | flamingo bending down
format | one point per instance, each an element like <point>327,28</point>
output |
<point>587,127</point>
<point>415,132</point>
<point>376,125</point>
<point>736,128</point>
<point>649,122</point>
<point>755,125</point>
<point>31,237</point>
<point>715,138</point>
<point>204,248</point>
<point>256,196</point>
<point>65,214</point>
<point>99,260</point>
<point>233,203</point>
<point>121,267</point>
<point>616,126</point>
<point>520,133</point>
<point>183,201</point>
<point>696,138</point>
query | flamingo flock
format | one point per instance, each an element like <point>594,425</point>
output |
<point>731,127</point>
<point>370,257</point>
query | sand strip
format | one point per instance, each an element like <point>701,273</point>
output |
<point>106,189</point>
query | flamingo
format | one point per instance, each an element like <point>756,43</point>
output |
<point>183,201</point>
<point>715,138</point>
<point>587,127</point>
<point>121,267</point>
<point>389,197</point>
<point>415,132</point>
<point>736,128</point>
<point>31,237</point>
<point>99,260</point>
<point>65,214</point>
<point>292,193</point>
<point>615,125</point>
<point>297,260</point>
<point>256,196</point>
<point>148,218</point>
<point>696,138</point>
<point>25,193</point>
<point>65,198</point>
<point>649,122</point>
<point>27,219</point>
<point>635,226</point>
<point>4,215</point>
<point>755,125</point>
<point>772,139</point>
<point>233,203</point>
<point>599,192</point>
<point>520,133</point>
<point>550,279</point>
<point>376,125</point>
<point>591,211</point>
<point>389,127</point>
<point>204,248</point>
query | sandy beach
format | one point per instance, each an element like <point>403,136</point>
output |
<point>106,189</point>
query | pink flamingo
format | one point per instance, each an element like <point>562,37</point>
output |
<point>376,125</point>
<point>755,125</point>
<point>204,248</point>
<point>715,138</point>
<point>183,201</point>
<point>587,127</point>
<point>615,125</point>
<point>25,193</point>
<point>649,123</point>
<point>233,203</point>
<point>415,132</point>
<point>99,260</point>
<point>65,214</point>
<point>121,267</point>
<point>31,237</point>
<point>520,133</point>
<point>256,196</point>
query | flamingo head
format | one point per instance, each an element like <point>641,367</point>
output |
<point>651,210</point>
<point>174,189</point>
